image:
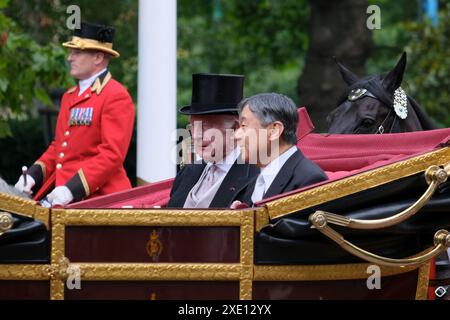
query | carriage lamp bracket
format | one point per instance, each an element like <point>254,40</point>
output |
<point>434,176</point>
<point>441,243</point>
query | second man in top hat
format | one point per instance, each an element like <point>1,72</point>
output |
<point>213,118</point>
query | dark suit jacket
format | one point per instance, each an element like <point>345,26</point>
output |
<point>237,178</point>
<point>297,172</point>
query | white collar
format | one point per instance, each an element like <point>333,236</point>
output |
<point>86,83</point>
<point>269,172</point>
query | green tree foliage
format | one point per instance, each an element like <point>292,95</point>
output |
<point>49,26</point>
<point>428,75</point>
<point>27,70</point>
<point>265,40</point>
<point>403,28</point>
<point>392,38</point>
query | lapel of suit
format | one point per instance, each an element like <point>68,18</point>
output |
<point>188,180</point>
<point>235,180</point>
<point>284,176</point>
<point>248,191</point>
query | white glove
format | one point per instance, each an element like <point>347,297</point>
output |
<point>60,196</point>
<point>25,188</point>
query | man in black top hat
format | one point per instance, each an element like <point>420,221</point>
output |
<point>221,175</point>
<point>93,131</point>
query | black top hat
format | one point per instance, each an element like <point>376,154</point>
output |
<point>215,93</point>
<point>93,36</point>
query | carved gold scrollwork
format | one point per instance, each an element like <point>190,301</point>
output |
<point>59,270</point>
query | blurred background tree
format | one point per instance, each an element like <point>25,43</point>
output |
<point>428,77</point>
<point>27,71</point>
<point>336,29</point>
<point>267,40</point>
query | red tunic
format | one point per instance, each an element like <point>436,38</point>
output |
<point>92,137</point>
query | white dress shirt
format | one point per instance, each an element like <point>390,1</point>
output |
<point>86,83</point>
<point>203,199</point>
<point>225,166</point>
<point>268,174</point>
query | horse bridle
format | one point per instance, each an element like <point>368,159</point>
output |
<point>380,129</point>
<point>399,103</point>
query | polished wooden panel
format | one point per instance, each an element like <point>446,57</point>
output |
<point>398,287</point>
<point>155,290</point>
<point>129,244</point>
<point>24,290</point>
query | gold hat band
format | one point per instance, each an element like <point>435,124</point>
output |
<point>83,44</point>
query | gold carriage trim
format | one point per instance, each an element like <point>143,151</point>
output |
<point>24,207</point>
<point>159,271</point>
<point>24,272</point>
<point>338,272</point>
<point>261,218</point>
<point>246,272</point>
<point>150,217</point>
<point>242,272</point>
<point>321,272</point>
<point>367,180</point>
<point>423,282</point>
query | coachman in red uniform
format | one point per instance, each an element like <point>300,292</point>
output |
<point>93,131</point>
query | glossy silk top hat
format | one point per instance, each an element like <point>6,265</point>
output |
<point>215,94</point>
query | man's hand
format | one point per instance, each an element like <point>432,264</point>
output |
<point>22,187</point>
<point>60,196</point>
<point>238,205</point>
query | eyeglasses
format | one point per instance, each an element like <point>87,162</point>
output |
<point>204,125</point>
<point>199,125</point>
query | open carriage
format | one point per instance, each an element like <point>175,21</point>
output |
<point>386,204</point>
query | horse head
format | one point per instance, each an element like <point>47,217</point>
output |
<point>377,104</point>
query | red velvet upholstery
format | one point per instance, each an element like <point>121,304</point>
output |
<point>338,155</point>
<point>305,125</point>
<point>349,152</point>
<point>148,196</point>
